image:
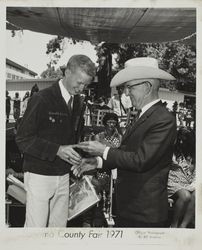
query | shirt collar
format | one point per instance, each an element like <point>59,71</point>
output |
<point>148,105</point>
<point>64,92</point>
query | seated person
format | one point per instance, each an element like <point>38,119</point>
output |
<point>111,136</point>
<point>181,180</point>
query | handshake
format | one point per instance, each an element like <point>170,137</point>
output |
<point>80,164</point>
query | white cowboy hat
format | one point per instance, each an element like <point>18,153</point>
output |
<point>140,68</point>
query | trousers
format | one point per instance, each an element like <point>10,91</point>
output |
<point>47,200</point>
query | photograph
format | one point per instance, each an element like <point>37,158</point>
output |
<point>82,196</point>
<point>101,122</point>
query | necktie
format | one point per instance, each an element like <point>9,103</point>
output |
<point>129,128</point>
<point>69,105</point>
<point>136,116</point>
<point>138,113</point>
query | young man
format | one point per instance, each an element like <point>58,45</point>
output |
<point>46,136</point>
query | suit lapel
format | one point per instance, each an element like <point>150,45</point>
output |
<point>133,127</point>
<point>141,120</point>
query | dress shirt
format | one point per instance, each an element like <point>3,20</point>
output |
<point>65,94</point>
<point>147,106</point>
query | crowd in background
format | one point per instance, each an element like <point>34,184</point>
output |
<point>19,106</point>
<point>119,103</point>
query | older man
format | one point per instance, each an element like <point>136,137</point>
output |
<point>145,155</point>
<point>45,136</point>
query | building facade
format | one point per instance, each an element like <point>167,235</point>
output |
<point>15,71</point>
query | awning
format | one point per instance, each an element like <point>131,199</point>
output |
<point>116,25</point>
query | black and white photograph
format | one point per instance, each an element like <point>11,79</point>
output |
<point>102,97</point>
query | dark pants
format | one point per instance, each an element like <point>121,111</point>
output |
<point>16,113</point>
<point>122,222</point>
<point>8,110</point>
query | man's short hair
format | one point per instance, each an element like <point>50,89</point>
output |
<point>155,83</point>
<point>83,62</point>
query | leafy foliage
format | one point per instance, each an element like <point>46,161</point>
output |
<point>54,45</point>
<point>55,48</point>
<point>51,72</point>
<point>177,58</point>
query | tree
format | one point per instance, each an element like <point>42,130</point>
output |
<point>180,60</point>
<point>104,71</point>
<point>50,72</point>
<point>56,46</point>
<point>177,58</point>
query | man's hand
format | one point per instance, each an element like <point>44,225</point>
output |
<point>68,154</point>
<point>86,164</point>
<point>92,147</point>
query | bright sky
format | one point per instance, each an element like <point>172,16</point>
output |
<point>29,50</point>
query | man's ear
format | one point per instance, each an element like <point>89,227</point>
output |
<point>67,72</point>
<point>147,89</point>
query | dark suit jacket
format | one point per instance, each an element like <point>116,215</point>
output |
<point>143,162</point>
<point>46,124</point>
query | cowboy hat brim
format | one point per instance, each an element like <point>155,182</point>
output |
<point>139,72</point>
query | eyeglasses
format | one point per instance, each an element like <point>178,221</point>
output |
<point>129,87</point>
<point>111,122</point>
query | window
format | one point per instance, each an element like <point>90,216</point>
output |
<point>9,76</point>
